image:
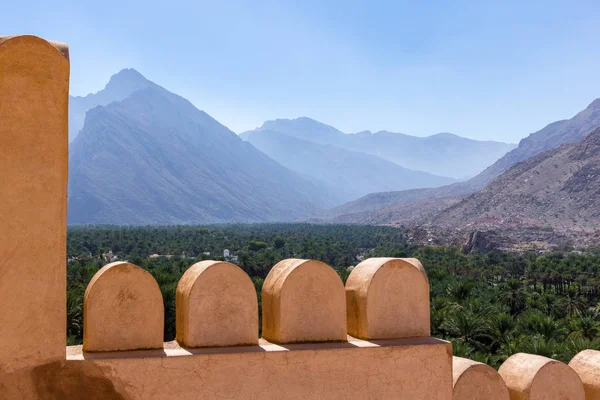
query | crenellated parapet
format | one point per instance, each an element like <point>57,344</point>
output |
<point>305,351</point>
<point>303,301</point>
<point>529,377</point>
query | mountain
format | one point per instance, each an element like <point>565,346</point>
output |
<point>559,189</point>
<point>550,137</point>
<point>408,213</point>
<point>398,205</point>
<point>119,87</point>
<point>444,154</point>
<point>153,158</point>
<point>350,174</point>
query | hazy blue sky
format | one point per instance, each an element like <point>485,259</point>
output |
<point>481,69</point>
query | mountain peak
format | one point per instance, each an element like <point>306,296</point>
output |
<point>120,86</point>
<point>445,135</point>
<point>302,128</point>
<point>299,121</point>
<point>307,120</point>
<point>127,76</point>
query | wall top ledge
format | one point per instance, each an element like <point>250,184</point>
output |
<point>61,47</point>
<point>172,349</point>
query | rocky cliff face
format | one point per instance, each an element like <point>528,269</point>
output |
<point>550,137</point>
<point>558,189</point>
<point>479,242</point>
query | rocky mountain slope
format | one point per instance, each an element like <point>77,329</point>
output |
<point>153,158</point>
<point>558,189</point>
<point>401,202</point>
<point>550,137</point>
<point>443,154</point>
<point>350,174</point>
<point>399,214</point>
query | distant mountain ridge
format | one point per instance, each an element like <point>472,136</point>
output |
<point>442,154</point>
<point>153,158</point>
<point>351,174</point>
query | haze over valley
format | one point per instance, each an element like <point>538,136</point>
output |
<point>143,155</point>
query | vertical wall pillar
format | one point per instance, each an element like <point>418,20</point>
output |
<point>34,91</point>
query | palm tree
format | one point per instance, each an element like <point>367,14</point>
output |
<point>75,316</point>
<point>468,328</point>
<point>572,302</point>
<point>512,346</point>
<point>541,325</point>
<point>576,345</point>
<point>543,347</point>
<point>584,327</point>
<point>549,303</point>
<point>460,349</point>
<point>513,295</point>
<point>501,328</point>
<point>532,274</point>
<point>487,358</point>
<point>460,291</point>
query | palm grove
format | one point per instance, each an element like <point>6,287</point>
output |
<point>489,305</point>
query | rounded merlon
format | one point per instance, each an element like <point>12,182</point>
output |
<point>216,306</point>
<point>532,377</point>
<point>303,301</point>
<point>587,365</point>
<point>476,381</point>
<point>123,310</point>
<point>388,298</point>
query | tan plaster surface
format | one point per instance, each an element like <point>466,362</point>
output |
<point>476,381</point>
<point>34,89</point>
<point>532,377</point>
<point>388,298</point>
<point>407,369</point>
<point>216,306</point>
<point>587,365</point>
<point>123,310</point>
<point>303,301</point>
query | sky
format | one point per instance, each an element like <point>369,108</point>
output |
<point>488,70</point>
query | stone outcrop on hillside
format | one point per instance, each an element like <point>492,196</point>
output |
<point>479,242</point>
